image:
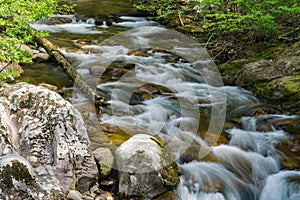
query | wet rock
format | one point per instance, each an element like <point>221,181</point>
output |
<point>139,53</point>
<point>100,19</point>
<point>104,195</point>
<point>40,57</point>
<point>167,196</point>
<point>129,66</point>
<point>49,86</point>
<point>97,70</point>
<point>43,130</point>
<point>109,21</point>
<point>145,168</point>
<point>56,20</point>
<point>145,92</point>
<point>107,183</point>
<point>105,161</point>
<point>112,73</point>
<point>108,72</point>
<point>60,20</point>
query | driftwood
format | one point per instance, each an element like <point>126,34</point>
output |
<point>92,94</point>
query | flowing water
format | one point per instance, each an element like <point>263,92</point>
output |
<point>163,83</point>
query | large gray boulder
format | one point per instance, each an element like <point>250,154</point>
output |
<point>145,168</point>
<point>277,80</point>
<point>44,146</point>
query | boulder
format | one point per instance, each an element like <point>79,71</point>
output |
<point>276,80</point>
<point>145,168</point>
<point>105,161</point>
<point>43,144</point>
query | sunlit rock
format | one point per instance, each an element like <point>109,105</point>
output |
<point>145,168</point>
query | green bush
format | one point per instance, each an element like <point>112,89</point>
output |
<point>15,17</point>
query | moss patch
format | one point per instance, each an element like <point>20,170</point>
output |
<point>17,171</point>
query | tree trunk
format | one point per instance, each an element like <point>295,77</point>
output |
<point>92,94</point>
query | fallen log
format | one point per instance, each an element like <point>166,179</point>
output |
<point>94,95</point>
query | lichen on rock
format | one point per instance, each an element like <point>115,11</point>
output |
<point>39,126</point>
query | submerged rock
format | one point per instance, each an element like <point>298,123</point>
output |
<point>146,169</point>
<point>43,144</point>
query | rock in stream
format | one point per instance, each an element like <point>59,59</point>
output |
<point>145,168</point>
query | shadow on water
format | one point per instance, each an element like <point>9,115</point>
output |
<point>49,72</point>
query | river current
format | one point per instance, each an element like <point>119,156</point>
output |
<point>163,83</point>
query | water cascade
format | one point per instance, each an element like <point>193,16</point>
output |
<point>162,83</point>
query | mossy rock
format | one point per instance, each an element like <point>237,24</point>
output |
<point>284,90</point>
<point>230,70</point>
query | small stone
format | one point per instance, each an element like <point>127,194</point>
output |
<point>74,195</point>
<point>105,160</point>
<point>167,196</point>
<point>107,183</point>
<point>97,70</point>
<point>40,57</point>
<point>104,195</point>
<point>48,86</point>
<point>139,53</point>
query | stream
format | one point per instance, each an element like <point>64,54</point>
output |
<point>163,83</point>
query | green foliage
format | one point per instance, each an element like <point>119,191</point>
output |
<point>9,75</point>
<point>15,17</point>
<point>163,8</point>
<point>252,19</point>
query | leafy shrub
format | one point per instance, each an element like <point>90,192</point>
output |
<point>15,17</point>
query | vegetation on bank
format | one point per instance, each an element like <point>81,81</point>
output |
<point>242,22</point>
<point>252,19</point>
<point>15,17</point>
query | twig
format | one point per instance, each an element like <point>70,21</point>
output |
<point>224,47</point>
<point>180,19</point>
<point>209,40</point>
<point>5,67</point>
